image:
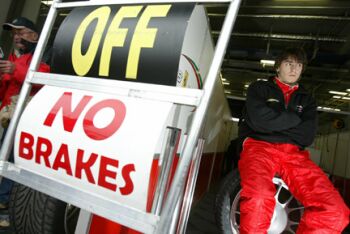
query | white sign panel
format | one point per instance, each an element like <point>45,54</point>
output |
<point>100,143</point>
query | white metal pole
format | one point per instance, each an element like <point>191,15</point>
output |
<point>190,188</point>
<point>198,119</point>
<point>128,2</point>
<point>167,159</point>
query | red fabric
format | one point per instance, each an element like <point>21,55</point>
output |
<point>101,225</point>
<point>11,83</point>
<point>325,210</point>
<point>286,89</point>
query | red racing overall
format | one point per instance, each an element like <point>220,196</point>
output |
<point>278,149</point>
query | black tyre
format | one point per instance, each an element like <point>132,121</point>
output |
<point>32,212</point>
<point>229,188</point>
<point>287,213</point>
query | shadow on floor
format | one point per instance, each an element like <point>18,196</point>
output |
<point>202,219</point>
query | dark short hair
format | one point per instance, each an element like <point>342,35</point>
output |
<point>297,53</point>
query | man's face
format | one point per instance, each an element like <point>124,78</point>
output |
<point>289,71</point>
<point>26,34</point>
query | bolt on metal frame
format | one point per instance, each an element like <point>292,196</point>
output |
<point>139,220</point>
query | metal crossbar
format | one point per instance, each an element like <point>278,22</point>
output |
<point>145,222</point>
<point>166,93</point>
<point>59,5</point>
<point>125,215</point>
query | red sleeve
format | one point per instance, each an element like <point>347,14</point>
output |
<point>22,66</point>
<point>3,87</point>
<point>19,74</point>
<point>44,68</point>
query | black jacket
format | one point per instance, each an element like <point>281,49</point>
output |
<point>266,117</point>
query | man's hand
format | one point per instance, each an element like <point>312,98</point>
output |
<point>7,66</point>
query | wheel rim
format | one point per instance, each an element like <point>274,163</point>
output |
<point>287,212</point>
<point>235,214</point>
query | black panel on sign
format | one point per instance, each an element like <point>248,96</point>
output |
<point>150,40</point>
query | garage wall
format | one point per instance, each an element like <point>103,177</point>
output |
<point>335,152</point>
<point>5,5</point>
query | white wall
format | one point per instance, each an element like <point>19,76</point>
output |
<point>335,152</point>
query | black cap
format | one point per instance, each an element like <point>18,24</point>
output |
<point>19,23</point>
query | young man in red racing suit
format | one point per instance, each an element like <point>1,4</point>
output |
<point>278,122</point>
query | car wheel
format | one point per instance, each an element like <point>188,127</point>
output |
<point>286,216</point>
<point>33,212</point>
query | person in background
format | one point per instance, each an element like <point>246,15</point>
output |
<point>12,75</point>
<point>279,121</point>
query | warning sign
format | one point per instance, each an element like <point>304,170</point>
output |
<point>100,143</point>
